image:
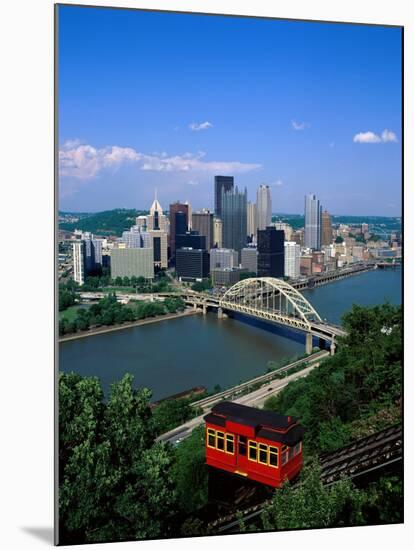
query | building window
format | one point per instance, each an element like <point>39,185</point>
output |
<point>211,438</point>
<point>220,441</point>
<point>273,457</point>
<point>262,453</point>
<point>230,444</point>
<point>253,451</point>
<point>242,445</point>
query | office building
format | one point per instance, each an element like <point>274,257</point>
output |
<point>292,260</point>
<point>218,232</point>
<point>271,252</point>
<point>78,262</point>
<point>157,228</point>
<point>249,259</point>
<point>136,238</point>
<point>282,226</point>
<point>226,276</point>
<point>179,218</point>
<point>203,222</point>
<point>190,239</point>
<point>306,265</point>
<point>192,264</point>
<point>313,214</point>
<point>132,262</point>
<point>223,258</point>
<point>234,218</point>
<point>252,221</point>
<point>264,207</point>
<point>326,238</point>
<point>221,184</point>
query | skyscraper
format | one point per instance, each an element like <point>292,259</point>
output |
<point>264,207</point>
<point>182,220</point>
<point>292,260</point>
<point>271,252</point>
<point>157,228</point>
<point>252,221</point>
<point>78,248</point>
<point>234,218</point>
<point>326,229</point>
<point>204,224</point>
<point>221,183</point>
<point>313,214</point>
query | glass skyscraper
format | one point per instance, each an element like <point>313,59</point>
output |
<point>234,218</point>
<point>264,207</point>
<point>271,252</point>
<point>313,222</point>
<point>221,183</point>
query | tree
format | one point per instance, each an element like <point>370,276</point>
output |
<point>171,413</point>
<point>115,482</point>
<point>190,472</point>
<point>339,239</point>
<point>310,505</point>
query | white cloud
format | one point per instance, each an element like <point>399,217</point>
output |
<point>371,137</point>
<point>277,183</point>
<point>388,135</point>
<point>196,127</point>
<point>299,125</point>
<point>83,161</point>
<point>192,182</point>
<point>366,137</point>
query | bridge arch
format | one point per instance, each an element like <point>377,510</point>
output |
<point>273,298</point>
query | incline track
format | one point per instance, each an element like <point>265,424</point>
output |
<point>363,456</point>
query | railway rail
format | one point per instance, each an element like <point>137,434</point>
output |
<point>366,455</point>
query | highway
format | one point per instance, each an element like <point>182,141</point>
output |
<point>253,399</point>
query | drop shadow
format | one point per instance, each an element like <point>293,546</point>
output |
<point>44,534</point>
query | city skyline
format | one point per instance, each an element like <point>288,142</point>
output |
<point>319,111</point>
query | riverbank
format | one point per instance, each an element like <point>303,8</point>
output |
<point>114,328</point>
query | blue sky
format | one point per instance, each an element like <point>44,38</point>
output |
<point>159,100</point>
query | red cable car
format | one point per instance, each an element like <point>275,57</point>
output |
<point>260,445</point>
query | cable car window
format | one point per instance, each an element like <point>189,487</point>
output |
<point>262,453</point>
<point>220,441</point>
<point>211,438</point>
<point>253,451</point>
<point>297,448</point>
<point>273,456</point>
<point>230,444</point>
<point>284,457</point>
<point>242,445</point>
<point>291,449</point>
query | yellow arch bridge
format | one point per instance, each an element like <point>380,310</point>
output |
<point>272,300</point>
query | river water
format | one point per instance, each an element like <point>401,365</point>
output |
<point>172,356</point>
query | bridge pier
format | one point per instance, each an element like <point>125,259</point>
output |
<point>333,347</point>
<point>220,313</point>
<point>204,309</point>
<point>194,306</point>
<point>308,345</point>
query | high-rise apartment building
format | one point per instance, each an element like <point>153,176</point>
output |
<point>264,207</point>
<point>313,214</point>
<point>292,260</point>
<point>221,183</point>
<point>326,238</point>
<point>271,252</point>
<point>179,218</point>
<point>252,221</point>
<point>78,249</point>
<point>234,218</point>
<point>282,226</point>
<point>203,223</point>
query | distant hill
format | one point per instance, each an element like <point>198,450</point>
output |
<point>109,222</point>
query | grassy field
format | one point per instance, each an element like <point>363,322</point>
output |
<point>71,313</point>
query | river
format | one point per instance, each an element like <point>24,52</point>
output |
<point>176,355</point>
